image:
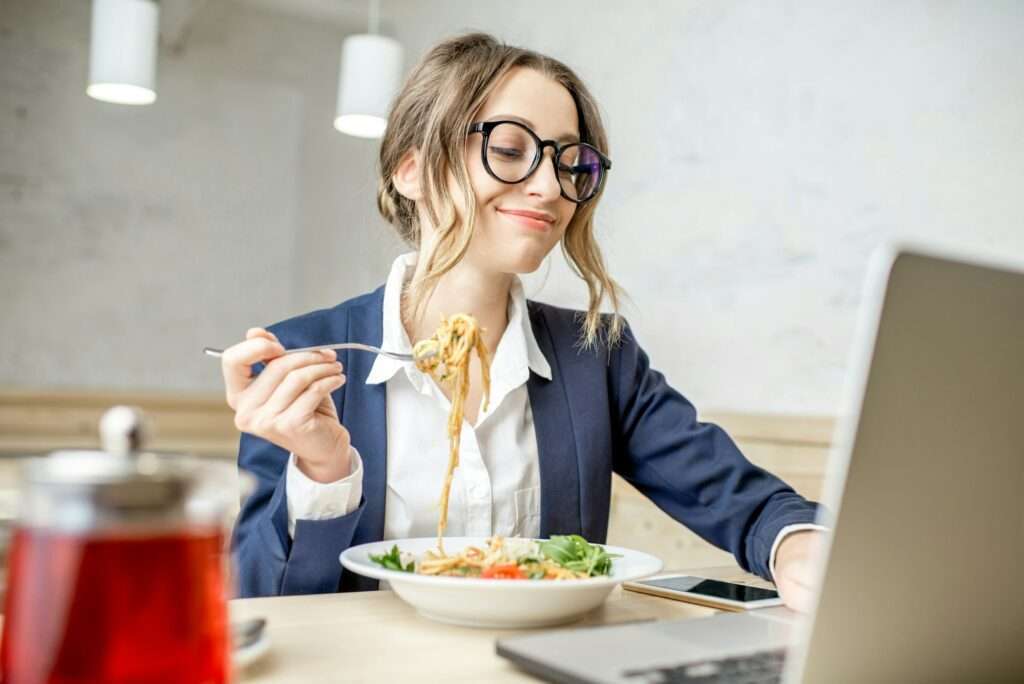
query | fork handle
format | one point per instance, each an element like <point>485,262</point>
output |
<point>210,351</point>
<point>343,345</point>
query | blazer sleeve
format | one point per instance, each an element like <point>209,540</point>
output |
<point>267,561</point>
<point>692,470</point>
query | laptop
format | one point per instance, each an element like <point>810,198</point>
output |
<point>923,578</point>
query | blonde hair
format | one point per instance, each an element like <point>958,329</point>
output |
<point>432,113</point>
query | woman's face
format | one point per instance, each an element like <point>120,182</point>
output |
<point>518,225</point>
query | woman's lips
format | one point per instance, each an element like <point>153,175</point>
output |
<point>530,219</point>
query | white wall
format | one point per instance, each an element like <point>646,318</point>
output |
<point>761,151</point>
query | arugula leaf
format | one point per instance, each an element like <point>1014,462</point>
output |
<point>392,560</point>
<point>573,552</point>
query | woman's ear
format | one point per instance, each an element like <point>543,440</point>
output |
<point>406,178</point>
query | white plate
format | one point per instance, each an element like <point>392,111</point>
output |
<point>495,603</point>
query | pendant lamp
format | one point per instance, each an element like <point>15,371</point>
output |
<point>123,51</point>
<point>371,69</point>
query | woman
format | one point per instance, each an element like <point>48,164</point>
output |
<point>493,156</point>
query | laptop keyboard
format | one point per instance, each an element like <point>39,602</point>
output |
<point>755,668</point>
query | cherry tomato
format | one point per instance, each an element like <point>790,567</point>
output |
<point>508,571</point>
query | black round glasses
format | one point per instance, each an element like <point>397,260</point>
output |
<point>511,152</point>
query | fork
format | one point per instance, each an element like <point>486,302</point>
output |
<point>343,345</point>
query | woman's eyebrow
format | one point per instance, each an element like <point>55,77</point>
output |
<point>564,138</point>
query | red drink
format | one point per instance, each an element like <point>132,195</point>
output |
<point>116,607</point>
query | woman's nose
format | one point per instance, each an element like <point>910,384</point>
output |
<point>543,182</point>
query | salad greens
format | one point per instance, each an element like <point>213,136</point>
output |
<point>392,560</point>
<point>573,552</point>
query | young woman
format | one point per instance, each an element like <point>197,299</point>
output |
<point>493,156</point>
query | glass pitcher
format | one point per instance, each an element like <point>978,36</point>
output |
<point>118,566</point>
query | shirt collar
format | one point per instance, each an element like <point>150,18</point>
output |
<point>517,349</point>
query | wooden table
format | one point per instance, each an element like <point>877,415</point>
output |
<point>376,637</point>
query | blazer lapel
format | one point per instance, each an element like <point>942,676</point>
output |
<point>556,443</point>
<point>365,415</point>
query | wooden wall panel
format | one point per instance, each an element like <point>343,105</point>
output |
<point>795,448</point>
<point>41,421</point>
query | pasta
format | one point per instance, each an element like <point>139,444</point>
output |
<point>447,360</point>
<point>497,561</point>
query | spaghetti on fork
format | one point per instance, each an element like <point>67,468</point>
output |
<point>448,361</point>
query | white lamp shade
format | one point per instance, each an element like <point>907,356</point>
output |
<point>123,50</point>
<point>371,69</point>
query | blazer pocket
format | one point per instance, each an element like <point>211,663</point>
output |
<point>527,507</point>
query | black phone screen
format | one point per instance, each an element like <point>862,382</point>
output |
<point>714,588</point>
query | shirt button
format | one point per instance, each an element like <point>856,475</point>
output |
<point>330,509</point>
<point>479,491</point>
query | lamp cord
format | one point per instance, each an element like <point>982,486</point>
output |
<point>374,16</point>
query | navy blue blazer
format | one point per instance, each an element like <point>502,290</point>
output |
<point>601,412</point>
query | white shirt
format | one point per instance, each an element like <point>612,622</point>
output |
<point>496,488</point>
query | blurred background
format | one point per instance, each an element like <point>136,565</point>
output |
<point>761,151</point>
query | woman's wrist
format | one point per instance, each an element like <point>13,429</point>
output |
<point>328,470</point>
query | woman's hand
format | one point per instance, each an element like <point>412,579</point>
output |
<point>795,567</point>
<point>289,403</point>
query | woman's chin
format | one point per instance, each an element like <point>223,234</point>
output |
<point>524,264</point>
<point>513,256</point>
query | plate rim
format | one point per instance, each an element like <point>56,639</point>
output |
<point>380,573</point>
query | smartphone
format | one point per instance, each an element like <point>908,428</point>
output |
<point>708,592</point>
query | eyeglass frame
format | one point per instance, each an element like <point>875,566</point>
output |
<point>485,128</point>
